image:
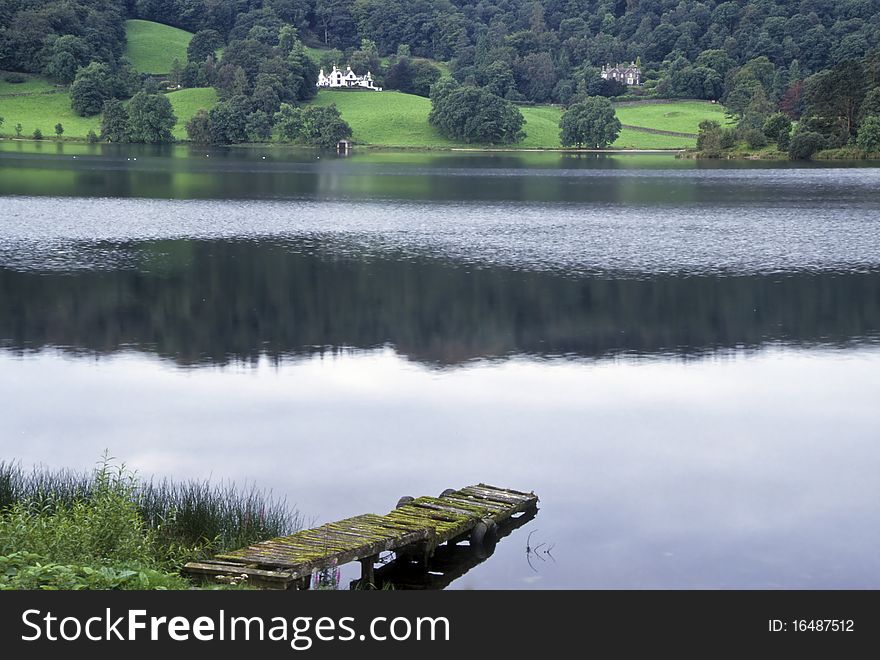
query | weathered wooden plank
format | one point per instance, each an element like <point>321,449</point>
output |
<point>425,522</point>
<point>500,494</point>
<point>508,490</point>
<point>210,568</point>
<point>495,496</point>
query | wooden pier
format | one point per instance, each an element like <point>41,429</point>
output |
<point>413,531</point>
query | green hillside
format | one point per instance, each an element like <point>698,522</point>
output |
<point>152,47</point>
<point>24,83</point>
<point>678,116</point>
<point>186,102</point>
<point>43,111</point>
<point>394,119</point>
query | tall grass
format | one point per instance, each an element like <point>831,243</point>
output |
<point>199,516</point>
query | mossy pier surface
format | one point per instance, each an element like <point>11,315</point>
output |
<point>414,528</point>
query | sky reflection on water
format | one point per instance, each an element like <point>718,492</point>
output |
<point>738,471</point>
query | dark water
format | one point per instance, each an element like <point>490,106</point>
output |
<point>682,359</point>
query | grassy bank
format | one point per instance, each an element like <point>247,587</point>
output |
<point>108,529</point>
<point>153,47</point>
<point>186,103</point>
<point>382,119</point>
<point>394,119</point>
<point>675,116</point>
<point>43,111</point>
<point>23,83</point>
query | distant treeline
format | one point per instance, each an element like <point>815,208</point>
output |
<point>544,50</point>
<point>535,50</point>
<point>56,37</point>
<point>217,302</point>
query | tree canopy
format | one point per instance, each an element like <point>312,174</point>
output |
<point>470,114</point>
<point>590,122</point>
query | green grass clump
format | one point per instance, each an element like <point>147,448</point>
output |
<point>186,102</point>
<point>677,116</point>
<point>43,111</point>
<point>152,47</point>
<point>106,530</point>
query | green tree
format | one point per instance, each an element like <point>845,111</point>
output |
<point>18,128</point>
<point>709,138</point>
<point>591,122</point>
<point>778,128</point>
<point>804,144</point>
<point>64,56</point>
<point>92,137</point>
<point>203,45</point>
<point>229,121</point>
<point>92,86</point>
<point>259,126</point>
<point>175,76</point>
<point>871,105</point>
<point>317,126</point>
<point>868,138</point>
<point>466,113</point>
<point>59,129</point>
<point>114,122</point>
<point>38,134</point>
<point>836,95</point>
<point>150,118</point>
<point>199,129</point>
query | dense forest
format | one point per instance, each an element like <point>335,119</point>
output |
<point>755,56</point>
<point>536,50</point>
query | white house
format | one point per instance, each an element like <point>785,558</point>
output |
<point>628,74</point>
<point>349,79</point>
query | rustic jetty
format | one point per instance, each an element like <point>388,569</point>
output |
<point>413,531</point>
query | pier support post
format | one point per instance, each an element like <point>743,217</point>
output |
<point>368,575</point>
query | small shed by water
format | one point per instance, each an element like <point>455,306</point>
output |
<point>343,147</point>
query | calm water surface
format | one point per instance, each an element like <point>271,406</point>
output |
<point>682,359</point>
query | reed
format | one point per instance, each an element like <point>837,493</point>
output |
<point>183,514</point>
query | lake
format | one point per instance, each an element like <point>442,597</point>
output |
<point>681,358</point>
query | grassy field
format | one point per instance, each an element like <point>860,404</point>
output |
<point>31,85</point>
<point>152,47</point>
<point>630,139</point>
<point>386,118</point>
<point>43,111</point>
<point>394,119</point>
<point>186,102</point>
<point>677,116</point>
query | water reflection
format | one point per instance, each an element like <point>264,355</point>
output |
<point>742,471</point>
<point>277,173</point>
<point>198,302</point>
<point>680,358</point>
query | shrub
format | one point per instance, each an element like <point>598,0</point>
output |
<point>868,139</point>
<point>754,138</point>
<point>38,134</point>
<point>804,145</point>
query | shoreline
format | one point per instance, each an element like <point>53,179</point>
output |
<point>366,147</point>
